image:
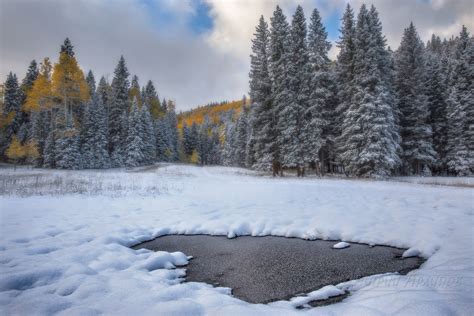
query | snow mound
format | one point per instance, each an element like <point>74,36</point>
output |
<point>164,260</point>
<point>412,252</point>
<point>321,294</point>
<point>341,245</point>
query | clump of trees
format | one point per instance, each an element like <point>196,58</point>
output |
<point>372,113</point>
<point>59,118</point>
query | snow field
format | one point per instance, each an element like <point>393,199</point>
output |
<point>68,253</point>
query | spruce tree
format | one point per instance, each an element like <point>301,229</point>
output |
<point>279,59</point>
<point>91,83</point>
<point>259,154</point>
<point>344,75</point>
<point>30,77</point>
<point>460,108</point>
<point>67,48</point>
<point>105,90</point>
<point>318,120</point>
<point>94,148</point>
<point>148,135</point>
<point>135,91</point>
<point>118,106</point>
<point>134,155</point>
<point>229,150</point>
<point>436,92</point>
<point>26,86</point>
<point>11,110</point>
<point>49,151</point>
<point>241,136</point>
<point>416,133</point>
<point>369,132</point>
<point>153,101</point>
<point>290,77</point>
<point>67,149</point>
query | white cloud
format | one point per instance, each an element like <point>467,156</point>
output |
<point>235,20</point>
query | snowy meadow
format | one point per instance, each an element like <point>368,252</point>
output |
<point>66,236</point>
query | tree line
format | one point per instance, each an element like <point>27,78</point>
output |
<point>373,112</point>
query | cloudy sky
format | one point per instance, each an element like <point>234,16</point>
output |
<point>196,51</point>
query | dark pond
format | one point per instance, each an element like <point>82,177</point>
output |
<point>266,269</point>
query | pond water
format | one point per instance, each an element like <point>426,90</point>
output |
<point>266,269</point>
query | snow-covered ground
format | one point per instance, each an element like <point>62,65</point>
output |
<point>65,237</point>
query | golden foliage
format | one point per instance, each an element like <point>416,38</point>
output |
<point>212,111</point>
<point>16,151</point>
<point>32,149</point>
<point>194,159</point>
<point>68,82</point>
<point>40,96</point>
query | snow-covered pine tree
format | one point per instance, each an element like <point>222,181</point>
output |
<point>436,92</point>
<point>370,134</point>
<point>26,85</point>
<point>67,149</point>
<point>229,148</point>
<point>30,77</point>
<point>161,137</point>
<point>94,149</point>
<point>11,110</point>
<point>105,91</point>
<point>151,98</point>
<point>134,155</point>
<point>206,144</point>
<point>416,133</point>
<point>344,75</point>
<point>187,141</point>
<point>67,48</point>
<point>134,91</point>
<point>91,83</point>
<point>318,136</point>
<point>49,151</point>
<point>214,155</point>
<point>290,78</point>
<point>279,62</point>
<point>118,106</point>
<point>259,154</point>
<point>148,135</point>
<point>241,136</point>
<point>460,108</point>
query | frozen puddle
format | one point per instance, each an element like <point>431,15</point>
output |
<point>266,269</point>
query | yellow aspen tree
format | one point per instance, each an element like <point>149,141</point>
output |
<point>15,150</point>
<point>68,84</point>
<point>195,159</point>
<point>40,96</point>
